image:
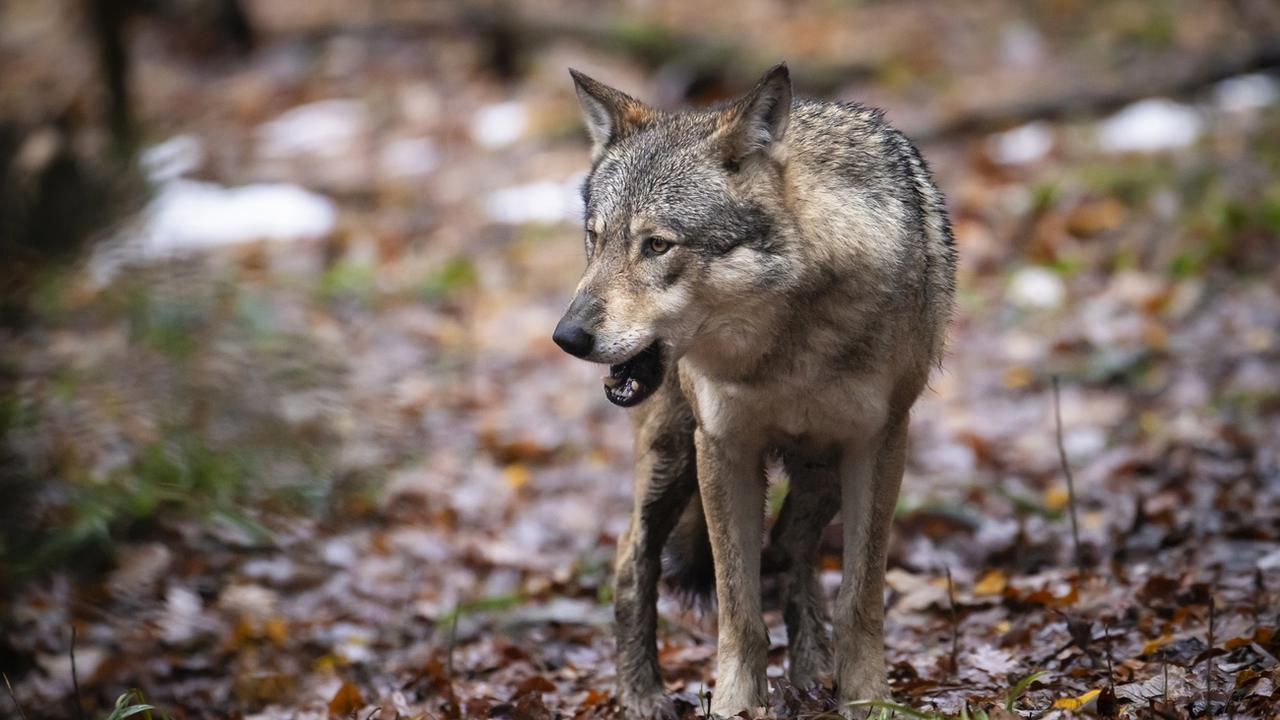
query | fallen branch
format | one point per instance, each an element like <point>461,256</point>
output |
<point>651,44</point>
<point>654,45</point>
<point>1162,77</point>
<point>1071,485</point>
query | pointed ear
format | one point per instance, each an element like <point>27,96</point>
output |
<point>759,120</point>
<point>609,114</point>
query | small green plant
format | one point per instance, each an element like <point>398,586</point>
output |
<point>454,275</point>
<point>131,704</point>
<point>492,603</point>
<point>1020,688</point>
<point>348,281</point>
<point>885,709</point>
<point>704,700</point>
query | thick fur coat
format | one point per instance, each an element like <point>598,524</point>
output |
<point>773,275</point>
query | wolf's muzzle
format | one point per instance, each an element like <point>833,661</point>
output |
<point>572,333</point>
<point>573,338</point>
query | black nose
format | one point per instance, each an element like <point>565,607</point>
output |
<point>572,338</point>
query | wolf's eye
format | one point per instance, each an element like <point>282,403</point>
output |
<point>657,245</point>
<point>590,241</point>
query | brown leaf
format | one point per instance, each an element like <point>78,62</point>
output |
<point>535,684</point>
<point>1108,705</point>
<point>346,701</point>
<point>530,707</point>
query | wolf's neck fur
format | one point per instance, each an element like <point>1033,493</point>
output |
<point>842,249</point>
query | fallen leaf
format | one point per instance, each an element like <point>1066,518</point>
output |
<point>1056,497</point>
<point>1075,703</point>
<point>516,475</point>
<point>992,583</point>
<point>1154,645</point>
<point>346,701</point>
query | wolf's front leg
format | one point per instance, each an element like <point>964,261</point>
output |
<point>870,477</point>
<point>731,482</point>
<point>664,483</point>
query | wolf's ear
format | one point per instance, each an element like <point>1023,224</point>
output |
<point>609,114</point>
<point>759,120</point>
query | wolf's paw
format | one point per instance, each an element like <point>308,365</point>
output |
<point>653,705</point>
<point>810,660</point>
<point>873,689</point>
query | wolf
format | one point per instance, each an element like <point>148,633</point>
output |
<point>767,277</point>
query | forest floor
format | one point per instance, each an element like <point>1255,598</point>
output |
<point>344,471</point>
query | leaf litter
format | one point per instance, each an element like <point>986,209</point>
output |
<point>351,476</point>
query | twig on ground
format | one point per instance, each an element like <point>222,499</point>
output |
<point>14,697</point>
<point>75,677</point>
<point>1208,661</point>
<point>1259,595</point>
<point>1106,640</point>
<point>955,625</point>
<point>453,642</point>
<point>1071,485</point>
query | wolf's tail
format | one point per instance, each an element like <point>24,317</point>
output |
<point>688,568</point>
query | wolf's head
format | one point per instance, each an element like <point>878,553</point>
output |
<point>683,214</point>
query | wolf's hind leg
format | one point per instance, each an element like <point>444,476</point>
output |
<point>812,500</point>
<point>665,479</point>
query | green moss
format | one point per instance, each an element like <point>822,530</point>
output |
<point>649,40</point>
<point>454,275</point>
<point>1133,181</point>
<point>348,281</point>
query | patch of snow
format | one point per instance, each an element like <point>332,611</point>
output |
<point>173,158</point>
<point>949,458</point>
<point>325,128</point>
<point>59,675</point>
<point>1036,287</point>
<point>1148,126</point>
<point>1085,443</point>
<point>190,215</point>
<point>278,570</point>
<point>1270,561</point>
<point>1021,145</point>
<point>182,617</point>
<point>407,157</point>
<point>1246,92</point>
<point>339,552</point>
<point>352,642</point>
<point>499,124</point>
<point>544,201</point>
<point>997,533</point>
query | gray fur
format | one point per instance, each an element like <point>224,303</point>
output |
<point>800,294</point>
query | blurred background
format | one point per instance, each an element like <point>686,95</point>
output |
<point>284,433</point>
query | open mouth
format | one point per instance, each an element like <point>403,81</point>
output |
<point>633,380</point>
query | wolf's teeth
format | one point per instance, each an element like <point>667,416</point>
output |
<point>610,381</point>
<point>633,387</point>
